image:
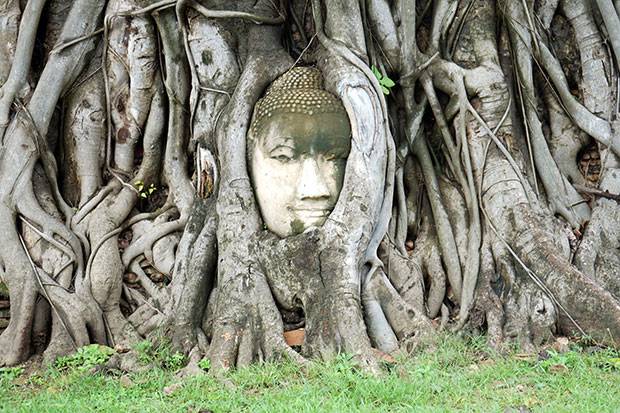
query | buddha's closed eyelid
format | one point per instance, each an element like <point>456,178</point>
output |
<point>282,153</point>
<point>336,153</point>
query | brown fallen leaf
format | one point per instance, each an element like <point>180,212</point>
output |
<point>122,349</point>
<point>558,368</point>
<point>168,390</point>
<point>561,345</point>
<point>125,381</point>
<point>386,358</point>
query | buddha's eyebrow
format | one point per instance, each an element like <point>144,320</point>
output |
<point>278,141</point>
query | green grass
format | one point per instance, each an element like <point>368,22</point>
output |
<point>458,376</point>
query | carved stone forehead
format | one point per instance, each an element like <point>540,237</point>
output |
<point>300,90</point>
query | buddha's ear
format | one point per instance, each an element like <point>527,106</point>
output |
<point>250,135</point>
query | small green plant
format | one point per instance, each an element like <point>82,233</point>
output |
<point>10,373</point>
<point>85,357</point>
<point>384,81</point>
<point>607,359</point>
<point>553,359</point>
<point>612,363</point>
<point>3,289</point>
<point>161,355</point>
<point>173,361</point>
<point>144,349</point>
<point>144,191</point>
<point>567,360</point>
<point>205,364</point>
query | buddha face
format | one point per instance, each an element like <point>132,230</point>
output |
<point>297,164</point>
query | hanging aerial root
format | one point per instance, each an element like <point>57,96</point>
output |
<point>20,66</point>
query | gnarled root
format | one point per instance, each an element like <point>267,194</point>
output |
<point>247,326</point>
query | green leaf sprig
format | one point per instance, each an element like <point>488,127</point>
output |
<point>384,81</point>
<point>144,191</point>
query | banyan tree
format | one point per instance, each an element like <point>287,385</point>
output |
<point>373,172</point>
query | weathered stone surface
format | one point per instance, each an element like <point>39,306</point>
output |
<point>299,141</point>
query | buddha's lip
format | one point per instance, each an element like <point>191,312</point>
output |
<point>318,212</point>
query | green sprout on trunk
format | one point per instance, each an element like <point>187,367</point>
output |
<point>144,191</point>
<point>384,81</point>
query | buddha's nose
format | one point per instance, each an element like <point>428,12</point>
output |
<point>311,184</point>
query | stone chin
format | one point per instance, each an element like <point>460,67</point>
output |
<point>307,218</point>
<point>295,225</point>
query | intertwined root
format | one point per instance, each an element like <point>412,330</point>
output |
<point>247,325</point>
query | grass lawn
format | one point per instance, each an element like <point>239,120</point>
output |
<point>458,376</point>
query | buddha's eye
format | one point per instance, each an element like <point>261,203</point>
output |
<point>281,158</point>
<point>335,155</point>
<point>282,154</point>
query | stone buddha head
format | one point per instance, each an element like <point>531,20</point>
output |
<point>298,143</point>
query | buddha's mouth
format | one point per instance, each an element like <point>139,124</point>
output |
<point>312,213</point>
